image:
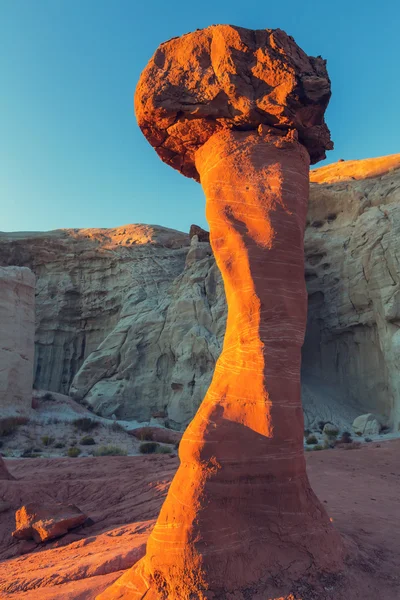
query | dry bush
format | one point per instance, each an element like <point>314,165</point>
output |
<point>110,451</point>
<point>9,425</point>
<point>85,424</point>
<point>73,452</point>
<point>148,447</point>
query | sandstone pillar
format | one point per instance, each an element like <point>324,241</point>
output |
<point>240,509</point>
<point>17,336</point>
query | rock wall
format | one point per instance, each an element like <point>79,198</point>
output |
<point>131,320</point>
<point>17,331</point>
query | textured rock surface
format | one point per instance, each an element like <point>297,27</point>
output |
<point>89,280</point>
<point>352,244</point>
<point>240,502</point>
<point>43,522</point>
<point>367,424</point>
<point>230,77</point>
<point>17,332</point>
<point>360,490</point>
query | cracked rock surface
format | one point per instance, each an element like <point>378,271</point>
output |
<point>230,77</point>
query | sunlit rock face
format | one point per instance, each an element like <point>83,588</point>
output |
<point>230,77</point>
<point>239,506</point>
<point>167,297</point>
<point>17,331</point>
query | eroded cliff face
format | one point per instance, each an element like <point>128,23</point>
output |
<point>17,330</point>
<point>131,320</point>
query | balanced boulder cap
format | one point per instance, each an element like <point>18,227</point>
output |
<point>234,78</point>
<point>242,111</point>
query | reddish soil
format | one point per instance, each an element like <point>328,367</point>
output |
<point>359,488</point>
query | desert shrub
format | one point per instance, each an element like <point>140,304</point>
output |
<point>9,425</point>
<point>148,447</point>
<point>311,440</point>
<point>367,439</point>
<point>85,424</point>
<point>30,453</point>
<point>73,452</point>
<point>146,435</point>
<point>117,428</point>
<point>59,445</point>
<point>318,447</point>
<point>47,440</point>
<point>48,396</point>
<point>110,451</point>
<point>345,438</point>
<point>164,450</point>
<point>359,433</point>
<point>87,440</point>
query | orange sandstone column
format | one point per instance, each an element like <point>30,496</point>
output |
<point>240,509</point>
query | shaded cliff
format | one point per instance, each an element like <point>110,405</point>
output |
<point>131,320</point>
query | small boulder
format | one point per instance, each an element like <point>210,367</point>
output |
<point>330,430</point>
<point>157,434</point>
<point>46,521</point>
<point>366,424</point>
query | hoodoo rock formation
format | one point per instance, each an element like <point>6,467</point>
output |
<point>17,334</point>
<point>242,111</point>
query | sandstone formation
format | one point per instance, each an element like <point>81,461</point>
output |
<point>17,331</point>
<point>366,425</point>
<point>240,503</point>
<point>172,336</point>
<point>43,522</point>
<point>124,496</point>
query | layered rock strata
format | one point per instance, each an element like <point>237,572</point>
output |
<point>240,503</point>
<point>165,301</point>
<point>17,332</point>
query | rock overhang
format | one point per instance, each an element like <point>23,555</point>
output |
<point>227,77</point>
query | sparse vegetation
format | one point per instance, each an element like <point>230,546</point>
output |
<point>311,439</point>
<point>73,452</point>
<point>31,453</point>
<point>9,425</point>
<point>85,424</point>
<point>110,451</point>
<point>117,428</point>
<point>367,439</point>
<point>59,445</point>
<point>164,450</point>
<point>48,396</point>
<point>318,447</point>
<point>148,447</point>
<point>345,438</point>
<point>47,440</point>
<point>87,440</point>
<point>146,435</point>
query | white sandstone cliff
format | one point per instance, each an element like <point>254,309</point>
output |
<point>17,331</point>
<point>131,320</point>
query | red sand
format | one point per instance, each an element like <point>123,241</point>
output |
<point>359,488</point>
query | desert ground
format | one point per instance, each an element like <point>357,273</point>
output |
<point>122,496</point>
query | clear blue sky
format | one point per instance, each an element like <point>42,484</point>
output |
<point>71,154</point>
